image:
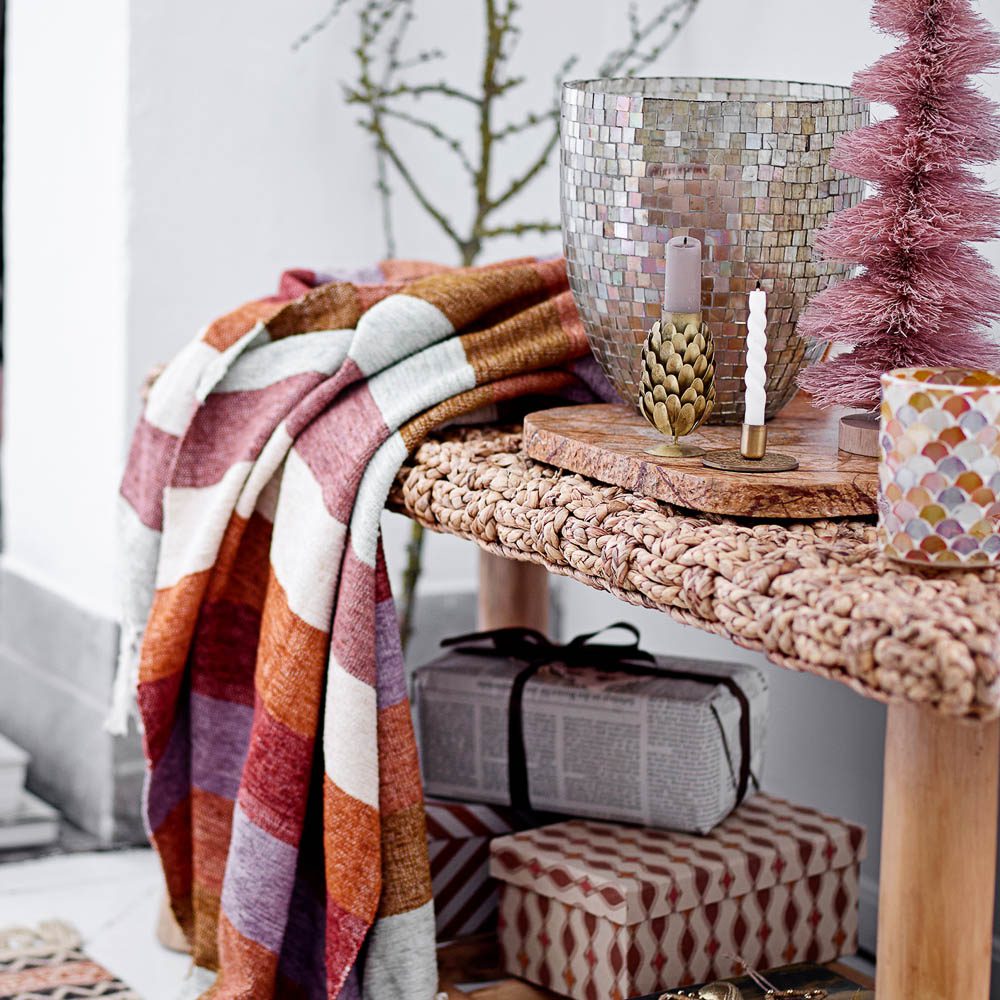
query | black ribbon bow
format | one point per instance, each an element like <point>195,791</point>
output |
<point>537,650</point>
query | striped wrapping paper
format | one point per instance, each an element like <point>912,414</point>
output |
<point>466,898</point>
<point>283,793</point>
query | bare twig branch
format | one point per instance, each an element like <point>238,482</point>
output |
<point>518,183</point>
<point>441,88</point>
<point>530,121</point>
<point>520,228</point>
<point>408,179</point>
<point>628,61</point>
<point>321,25</point>
<point>428,126</point>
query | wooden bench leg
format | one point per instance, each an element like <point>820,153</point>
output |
<point>939,832</point>
<point>512,593</point>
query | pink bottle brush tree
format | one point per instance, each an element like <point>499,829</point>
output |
<point>925,296</point>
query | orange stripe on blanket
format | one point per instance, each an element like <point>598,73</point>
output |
<point>212,827</point>
<point>546,382</point>
<point>352,833</point>
<point>291,662</point>
<point>334,306</point>
<point>248,969</point>
<point>406,877</point>
<point>463,296</point>
<point>226,330</point>
<point>171,626</point>
<point>533,339</point>
<point>245,581</point>
<point>172,840</point>
<point>399,765</point>
<point>205,943</point>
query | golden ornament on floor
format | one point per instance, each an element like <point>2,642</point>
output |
<point>677,387</point>
<point>714,991</point>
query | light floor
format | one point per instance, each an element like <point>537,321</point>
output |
<point>112,899</point>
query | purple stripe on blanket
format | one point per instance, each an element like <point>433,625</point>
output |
<point>351,990</point>
<point>221,735</point>
<point>370,275</point>
<point>391,675</point>
<point>233,427</point>
<point>303,953</point>
<point>169,782</point>
<point>588,371</point>
<point>260,872</point>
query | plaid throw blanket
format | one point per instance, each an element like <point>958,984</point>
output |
<point>284,794</point>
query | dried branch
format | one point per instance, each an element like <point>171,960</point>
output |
<point>519,183</point>
<point>428,126</point>
<point>618,62</point>
<point>530,121</point>
<point>520,228</point>
<point>380,86</point>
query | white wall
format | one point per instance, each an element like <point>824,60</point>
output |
<point>65,291</point>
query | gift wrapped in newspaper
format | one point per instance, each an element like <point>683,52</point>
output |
<point>592,909</point>
<point>606,731</point>
<point>466,896</point>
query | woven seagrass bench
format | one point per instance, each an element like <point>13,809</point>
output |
<point>814,596</point>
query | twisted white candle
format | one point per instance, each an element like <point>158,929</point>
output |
<point>756,397</point>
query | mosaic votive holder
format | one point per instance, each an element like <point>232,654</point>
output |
<point>939,478</point>
<point>743,166</point>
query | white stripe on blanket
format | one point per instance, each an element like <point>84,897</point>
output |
<point>307,573</point>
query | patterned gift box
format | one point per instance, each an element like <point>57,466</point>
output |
<point>458,837</point>
<point>599,911</point>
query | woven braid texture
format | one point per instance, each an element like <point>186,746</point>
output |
<point>813,596</point>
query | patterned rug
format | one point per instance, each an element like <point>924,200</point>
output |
<point>47,964</point>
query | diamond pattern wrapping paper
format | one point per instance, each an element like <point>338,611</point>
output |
<point>600,911</point>
<point>939,499</point>
<point>458,837</point>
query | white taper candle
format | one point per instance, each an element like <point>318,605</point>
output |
<point>756,397</point>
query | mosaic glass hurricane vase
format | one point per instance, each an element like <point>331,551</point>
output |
<point>939,478</point>
<point>744,166</point>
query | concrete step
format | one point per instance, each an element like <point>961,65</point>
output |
<point>13,767</point>
<point>34,823</point>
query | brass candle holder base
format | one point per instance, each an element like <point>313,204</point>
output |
<point>751,456</point>
<point>676,451</point>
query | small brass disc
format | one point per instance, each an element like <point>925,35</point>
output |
<point>733,461</point>
<point>676,451</point>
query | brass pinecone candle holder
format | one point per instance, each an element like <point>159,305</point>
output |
<point>677,387</point>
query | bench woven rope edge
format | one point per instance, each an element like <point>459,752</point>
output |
<point>813,596</point>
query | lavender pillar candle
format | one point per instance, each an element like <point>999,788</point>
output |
<point>683,288</point>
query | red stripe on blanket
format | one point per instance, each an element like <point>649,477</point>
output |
<point>353,641</point>
<point>276,778</point>
<point>232,427</point>
<point>338,460</point>
<point>151,457</point>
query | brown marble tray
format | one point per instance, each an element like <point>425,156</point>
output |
<point>608,442</point>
